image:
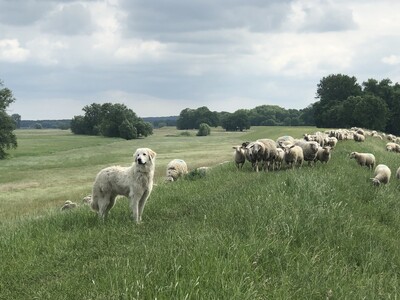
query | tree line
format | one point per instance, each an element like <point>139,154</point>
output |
<point>263,115</point>
<point>341,103</point>
<point>111,120</point>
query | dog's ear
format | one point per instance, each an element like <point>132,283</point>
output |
<point>135,156</point>
<point>152,154</point>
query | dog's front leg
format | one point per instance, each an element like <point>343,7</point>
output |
<point>135,207</point>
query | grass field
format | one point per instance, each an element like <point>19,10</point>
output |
<point>319,232</point>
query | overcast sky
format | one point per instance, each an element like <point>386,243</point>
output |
<point>160,57</point>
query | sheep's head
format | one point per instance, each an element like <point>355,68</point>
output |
<point>375,182</point>
<point>327,149</point>
<point>353,154</point>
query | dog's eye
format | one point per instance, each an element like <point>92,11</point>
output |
<point>144,154</point>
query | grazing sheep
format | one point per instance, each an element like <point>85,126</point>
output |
<point>239,156</point>
<point>381,175</point>
<point>364,159</point>
<point>175,169</point>
<point>68,205</point>
<point>310,150</point>
<point>359,137</point>
<point>398,173</point>
<point>324,154</point>
<point>86,200</point>
<point>279,158</point>
<point>391,146</point>
<point>293,155</point>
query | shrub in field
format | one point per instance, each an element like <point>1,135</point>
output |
<point>204,130</point>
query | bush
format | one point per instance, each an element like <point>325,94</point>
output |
<point>204,130</point>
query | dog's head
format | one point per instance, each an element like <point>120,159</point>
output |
<point>144,156</point>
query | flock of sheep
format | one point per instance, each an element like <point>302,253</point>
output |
<point>267,154</point>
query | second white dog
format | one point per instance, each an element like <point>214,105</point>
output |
<point>134,182</point>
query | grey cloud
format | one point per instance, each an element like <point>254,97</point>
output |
<point>22,13</point>
<point>325,18</point>
<point>72,19</point>
<point>159,18</point>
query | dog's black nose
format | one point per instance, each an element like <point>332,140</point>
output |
<point>140,161</point>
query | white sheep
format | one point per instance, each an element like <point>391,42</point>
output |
<point>359,137</point>
<point>332,141</point>
<point>324,154</point>
<point>68,205</point>
<point>310,150</point>
<point>269,152</point>
<point>261,151</point>
<point>87,199</point>
<point>285,140</point>
<point>239,156</point>
<point>391,146</point>
<point>293,155</point>
<point>398,173</point>
<point>381,175</point>
<point>279,158</point>
<point>175,169</point>
<point>364,159</point>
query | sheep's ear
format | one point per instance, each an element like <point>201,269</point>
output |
<point>291,146</point>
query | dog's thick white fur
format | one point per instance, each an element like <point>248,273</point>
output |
<point>134,182</point>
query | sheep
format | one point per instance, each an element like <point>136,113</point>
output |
<point>248,152</point>
<point>364,159</point>
<point>293,155</point>
<point>239,156</point>
<point>286,140</point>
<point>68,205</point>
<point>269,152</point>
<point>175,169</point>
<point>391,146</point>
<point>359,137</point>
<point>381,175</point>
<point>398,173</point>
<point>263,150</point>
<point>279,158</point>
<point>310,150</point>
<point>332,141</point>
<point>87,199</point>
<point>323,154</point>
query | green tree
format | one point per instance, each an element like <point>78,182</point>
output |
<point>237,121</point>
<point>204,130</point>
<point>332,91</point>
<point>371,112</point>
<point>17,119</point>
<point>127,131</point>
<point>192,118</point>
<point>8,139</point>
<point>112,120</point>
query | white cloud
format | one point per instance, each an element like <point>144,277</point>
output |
<point>11,51</point>
<point>391,59</point>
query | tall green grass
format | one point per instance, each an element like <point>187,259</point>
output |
<point>320,232</point>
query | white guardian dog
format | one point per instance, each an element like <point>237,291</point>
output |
<point>134,182</point>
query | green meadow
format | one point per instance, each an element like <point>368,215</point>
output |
<point>320,232</point>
